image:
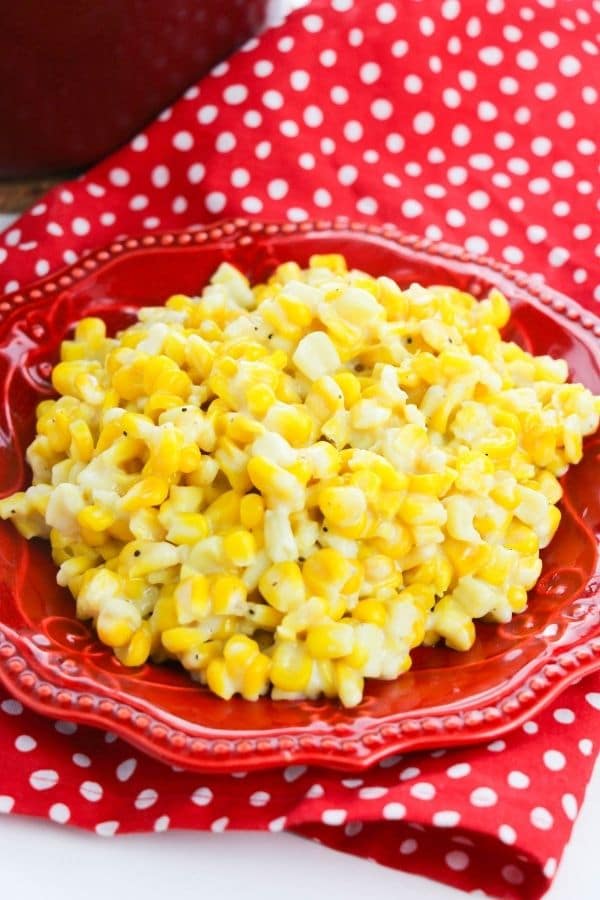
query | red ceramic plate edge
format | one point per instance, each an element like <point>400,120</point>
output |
<point>336,748</point>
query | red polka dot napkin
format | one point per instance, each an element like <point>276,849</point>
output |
<point>469,121</point>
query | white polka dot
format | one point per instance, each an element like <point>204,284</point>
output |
<point>580,276</point>
<point>25,743</point>
<point>467,79</point>
<point>435,191</point>
<point>522,115</point>
<point>549,39</point>
<point>355,37</point>
<point>353,131</point>
<point>259,798</point>
<point>507,834</point>
<point>455,218</point>
<point>558,256</point>
<point>550,868</point>
<point>43,779</point>
<point>6,804</point>
<point>80,226</point>
<point>263,149</point>
<point>183,140</point>
<point>69,257</point>
<point>369,72</point>
<point>473,27</point>
<point>589,95</point>
<point>11,707</point>
<point>487,111</point>
<point>497,746</point>
<point>584,187</point>
<point>59,813</point>
<point>541,818</point>
<point>423,122</point>
<point>461,135</point>
<point>561,208</point>
<point>536,233</point>
<point>483,797</point>
<point>322,198</point>
<point>225,142</point>
<point>119,177</point>
<point>328,58</point>
<point>162,824</point>
<point>450,9</point>
<point>498,227</point>
<point>512,874</point>
<point>446,818</point>
<point>333,816</point>
<point>299,79</point>
<point>66,196</point>
<point>289,128</point>
<point>426,26</point>
<point>526,59</point>
<point>82,760</point>
<point>139,143</point>
<point>491,56</point>
<point>411,208</point>
<point>459,770</point>
<point>312,23</point>
<point>160,176</point>
<point>272,99</point>
<point>457,175</point>
<point>393,811</point>
<point>541,146</point>
<point>297,214</point>
<point>138,202</point>
<point>126,769</point>
<point>422,790</point>
<point>476,244</point>
<point>554,760</point>
<point>545,90</point>
<point>517,165</point>
<point>539,186</point>
<point>263,68</point>
<point>91,790</point>
<point>215,201</point>
<point>566,119</point>
<point>586,747</point>
<point>108,219</point>
<point>372,793</point>
<point>457,860</point>
<point>478,200</point>
<point>563,168</point>
<point>107,829</point>
<point>339,95</point>
<point>394,142</point>
<point>413,84</point>
<point>513,255</point>
<point>252,118</point>
<point>385,13</point>
<point>569,66</point>
<point>196,173</point>
<point>451,98</point>
<point>367,205</point>
<point>42,267</point>
<point>307,161</point>
<point>313,116</point>
<point>433,233</point>
<point>11,286</point>
<point>235,94</point>
<point>381,109</point>
<point>347,174</point>
<point>202,796</point>
<point>570,806</point>
<point>146,798</point>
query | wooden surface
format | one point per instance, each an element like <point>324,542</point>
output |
<point>15,196</point>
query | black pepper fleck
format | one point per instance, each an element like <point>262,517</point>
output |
<point>137,552</point>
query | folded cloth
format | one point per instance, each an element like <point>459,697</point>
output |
<point>468,122</point>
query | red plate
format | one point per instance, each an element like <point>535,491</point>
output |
<point>54,663</point>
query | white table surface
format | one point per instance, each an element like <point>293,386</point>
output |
<point>61,861</point>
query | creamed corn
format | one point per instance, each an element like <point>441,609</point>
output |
<point>289,486</point>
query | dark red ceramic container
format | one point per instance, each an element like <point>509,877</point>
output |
<point>79,77</point>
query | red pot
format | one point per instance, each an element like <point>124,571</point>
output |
<point>79,77</point>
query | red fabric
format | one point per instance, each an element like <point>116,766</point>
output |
<point>471,122</point>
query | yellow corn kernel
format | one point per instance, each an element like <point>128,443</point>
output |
<point>434,484</point>
<point>466,558</point>
<point>164,615</point>
<point>95,518</point>
<point>244,430</point>
<point>229,596</point>
<point>150,491</point>
<point>138,650</point>
<point>517,598</point>
<point>330,641</point>
<point>521,538</point>
<point>345,506</point>
<point>252,510</point>
<point>191,599</point>
<point>117,622</point>
<point>282,586</point>
<point>82,442</point>
<point>260,398</point>
<point>291,667</point>
<point>187,528</point>
<point>335,262</point>
<point>371,611</point>
<point>240,547</point>
<point>181,639</point>
<point>255,680</point>
<point>261,615</point>
<point>350,685</point>
<point>224,512</point>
